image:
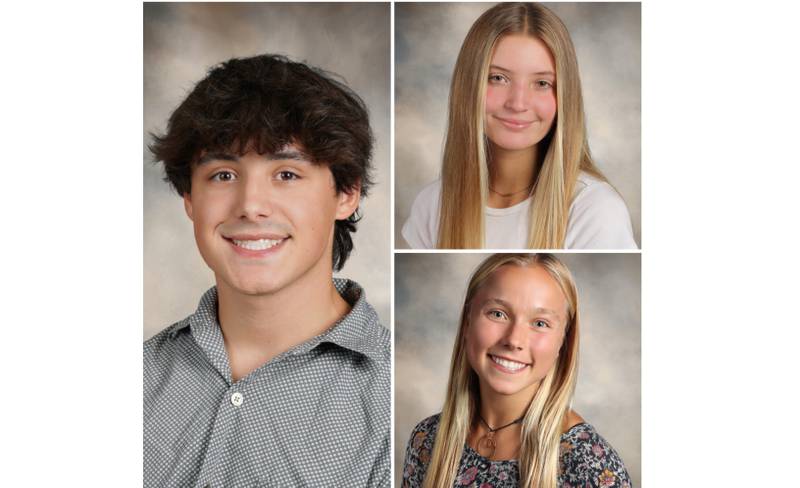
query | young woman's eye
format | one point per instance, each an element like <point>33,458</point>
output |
<point>496,314</point>
<point>287,175</point>
<point>497,79</point>
<point>540,324</point>
<point>543,84</point>
<point>223,176</point>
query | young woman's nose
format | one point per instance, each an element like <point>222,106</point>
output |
<point>255,199</point>
<point>515,335</point>
<point>517,99</point>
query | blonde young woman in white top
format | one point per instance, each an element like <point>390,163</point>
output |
<point>517,171</point>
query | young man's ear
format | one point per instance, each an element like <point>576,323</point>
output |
<point>187,205</point>
<point>348,202</point>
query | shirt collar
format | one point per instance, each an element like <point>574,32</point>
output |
<point>358,331</point>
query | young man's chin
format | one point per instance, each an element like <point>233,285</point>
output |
<point>255,286</point>
<point>270,279</point>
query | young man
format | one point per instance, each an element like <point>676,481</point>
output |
<point>281,376</point>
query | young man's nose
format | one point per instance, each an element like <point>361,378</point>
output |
<point>255,199</point>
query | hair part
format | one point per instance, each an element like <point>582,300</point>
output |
<point>563,153</point>
<point>543,420</point>
<point>262,104</point>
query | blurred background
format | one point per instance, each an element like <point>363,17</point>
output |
<point>181,42</point>
<point>430,291</point>
<point>607,38</point>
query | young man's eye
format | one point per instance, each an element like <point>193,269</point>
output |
<point>287,176</point>
<point>223,176</point>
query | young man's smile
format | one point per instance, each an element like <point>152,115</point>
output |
<point>256,244</point>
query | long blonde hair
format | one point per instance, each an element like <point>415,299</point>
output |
<point>564,152</point>
<point>542,423</point>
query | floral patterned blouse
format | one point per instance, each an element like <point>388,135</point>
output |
<point>586,460</point>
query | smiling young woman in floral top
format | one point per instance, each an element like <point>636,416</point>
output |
<point>506,420</point>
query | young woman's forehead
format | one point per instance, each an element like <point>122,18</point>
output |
<point>527,288</point>
<point>522,54</point>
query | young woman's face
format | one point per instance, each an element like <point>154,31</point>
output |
<point>516,327</point>
<point>520,93</point>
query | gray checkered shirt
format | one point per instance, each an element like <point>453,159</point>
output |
<point>316,415</point>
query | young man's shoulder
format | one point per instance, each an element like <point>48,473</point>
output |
<point>165,339</point>
<point>382,339</point>
<point>163,355</point>
<point>362,326</point>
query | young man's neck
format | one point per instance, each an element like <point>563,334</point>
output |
<point>511,175</point>
<point>256,328</point>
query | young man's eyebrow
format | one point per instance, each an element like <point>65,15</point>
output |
<point>538,73</point>
<point>288,153</point>
<point>217,156</point>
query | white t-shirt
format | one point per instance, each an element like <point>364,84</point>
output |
<point>598,219</point>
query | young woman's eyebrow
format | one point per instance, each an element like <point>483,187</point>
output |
<point>498,301</point>
<point>536,310</point>
<point>537,73</point>
<point>544,311</point>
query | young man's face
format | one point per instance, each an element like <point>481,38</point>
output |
<point>263,222</point>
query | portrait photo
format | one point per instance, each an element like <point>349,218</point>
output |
<point>267,352</point>
<point>182,42</point>
<point>602,347</point>
<point>518,126</point>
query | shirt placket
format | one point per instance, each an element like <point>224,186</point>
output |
<point>233,405</point>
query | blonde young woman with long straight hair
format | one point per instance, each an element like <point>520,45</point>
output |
<point>506,420</point>
<point>517,171</point>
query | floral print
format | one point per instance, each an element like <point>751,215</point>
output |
<point>586,460</point>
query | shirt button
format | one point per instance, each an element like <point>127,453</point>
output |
<point>237,399</point>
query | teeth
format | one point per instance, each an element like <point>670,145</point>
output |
<point>258,245</point>
<point>512,365</point>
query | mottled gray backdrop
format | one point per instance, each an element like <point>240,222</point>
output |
<point>429,292</point>
<point>181,42</point>
<point>607,38</point>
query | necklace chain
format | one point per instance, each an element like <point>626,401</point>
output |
<point>492,431</point>
<point>505,195</point>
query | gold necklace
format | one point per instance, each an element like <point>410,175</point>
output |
<point>506,195</point>
<point>487,442</point>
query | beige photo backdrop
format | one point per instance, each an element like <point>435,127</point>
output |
<point>607,38</point>
<point>429,292</point>
<point>181,42</point>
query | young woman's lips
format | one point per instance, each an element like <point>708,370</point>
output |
<point>515,124</point>
<point>256,247</point>
<point>507,365</point>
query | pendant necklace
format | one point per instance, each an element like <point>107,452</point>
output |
<point>487,442</point>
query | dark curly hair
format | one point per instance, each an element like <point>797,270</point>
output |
<point>263,103</point>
